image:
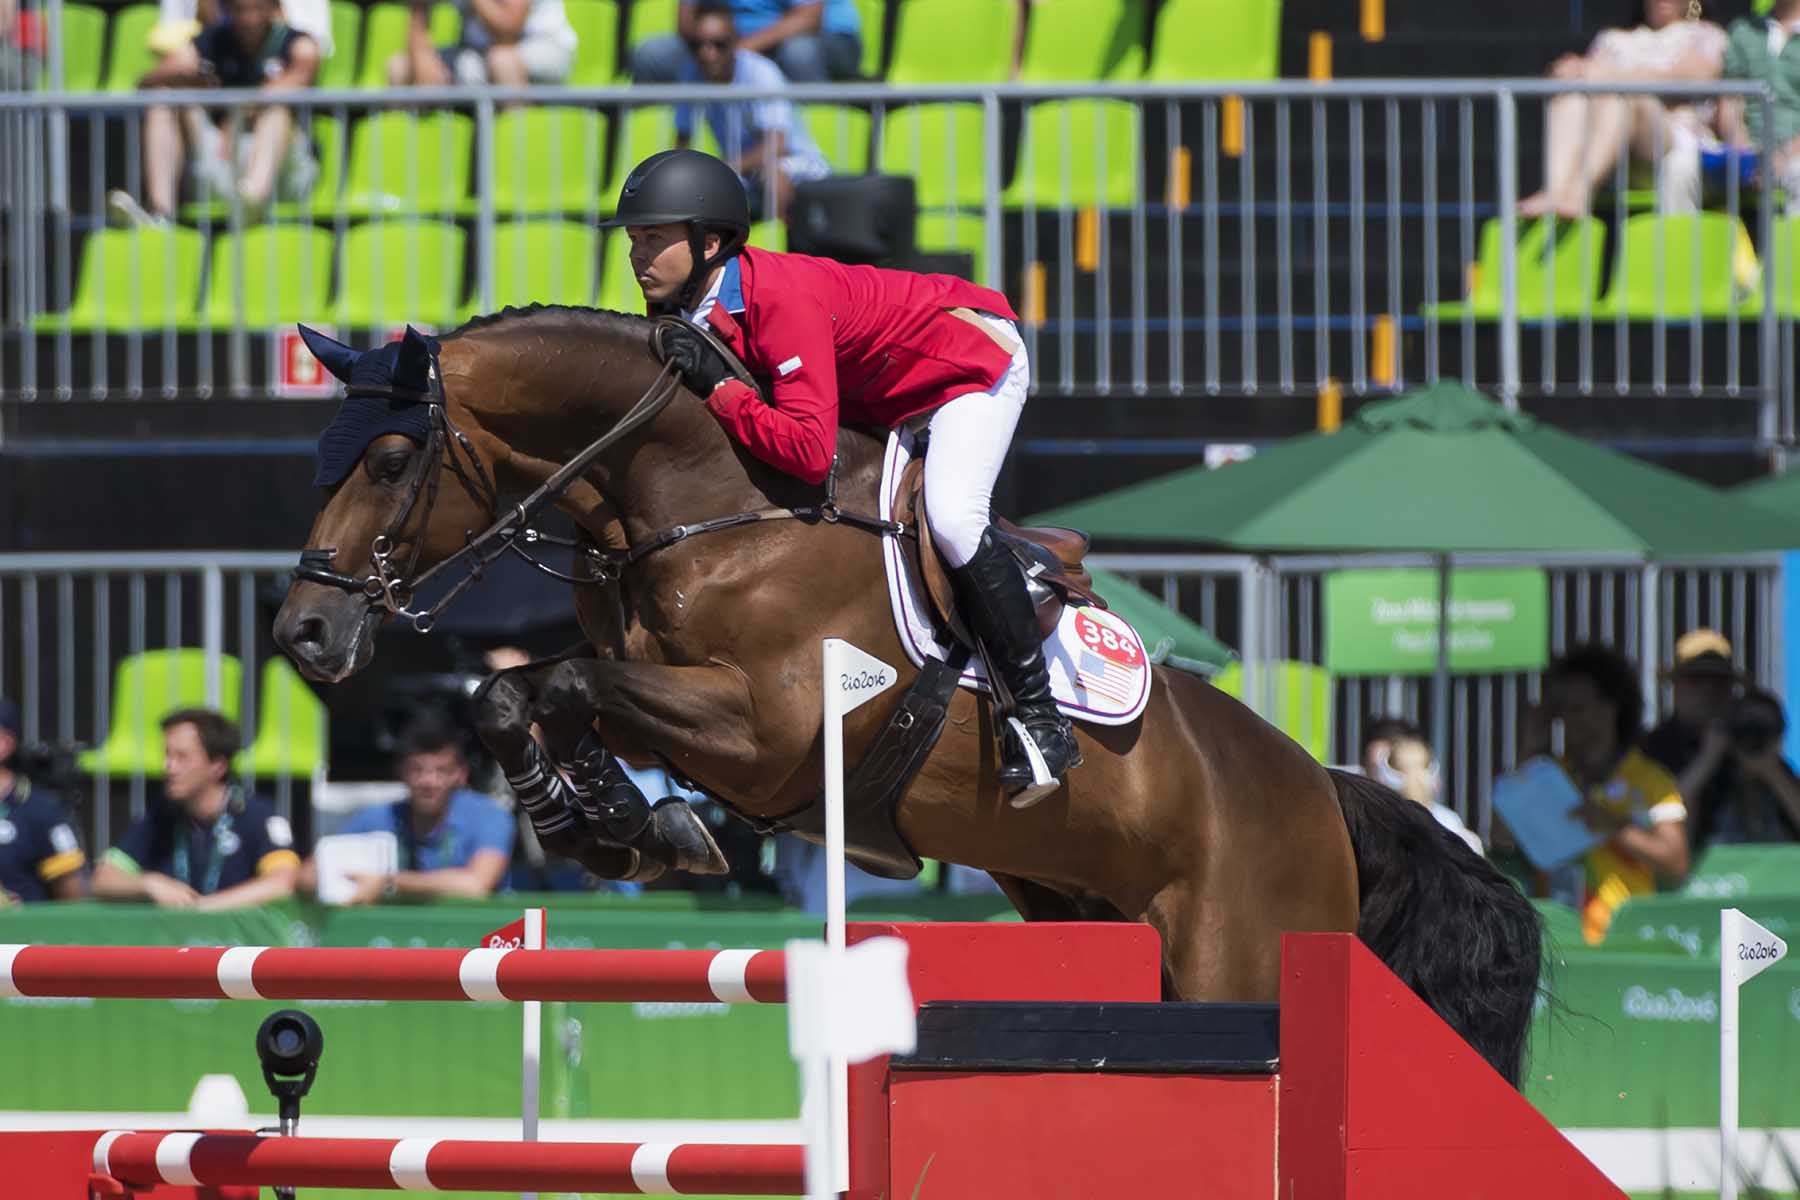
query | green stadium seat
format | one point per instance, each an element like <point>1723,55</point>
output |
<point>328,147</point>
<point>874,35</point>
<point>940,146</point>
<point>842,133</point>
<point>954,41</point>
<point>1216,39</point>
<point>948,231</point>
<point>1681,265</point>
<point>84,48</point>
<point>339,71</point>
<point>646,129</point>
<point>768,235</point>
<point>146,688</point>
<point>596,25</point>
<point>291,727</point>
<point>1078,153</point>
<point>1296,698</point>
<point>647,19</point>
<point>393,272</point>
<point>285,277</point>
<point>1076,41</point>
<point>1787,244</point>
<point>384,35</point>
<point>542,262</point>
<point>548,160</point>
<point>134,279</point>
<point>1557,261</point>
<point>131,57</point>
<point>401,163</point>
<point>618,283</point>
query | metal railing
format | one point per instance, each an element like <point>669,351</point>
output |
<point>1273,610</point>
<point>1258,239</point>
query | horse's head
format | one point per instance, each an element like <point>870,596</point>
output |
<point>387,516</point>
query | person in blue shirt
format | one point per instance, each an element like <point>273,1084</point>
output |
<point>453,840</point>
<point>764,140</point>
<point>812,41</point>
<point>203,844</point>
<point>40,856</point>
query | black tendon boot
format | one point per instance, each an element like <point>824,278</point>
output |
<point>670,833</point>
<point>552,806</point>
<point>990,592</point>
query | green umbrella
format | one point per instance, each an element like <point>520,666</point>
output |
<point>1776,493</point>
<point>1168,636</point>
<point>1443,471</point>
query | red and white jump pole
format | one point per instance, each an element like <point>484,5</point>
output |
<point>428,1164</point>
<point>310,973</point>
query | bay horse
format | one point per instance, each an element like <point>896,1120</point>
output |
<point>1200,818</point>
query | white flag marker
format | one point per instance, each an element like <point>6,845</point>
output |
<point>1746,950</point>
<point>852,678</point>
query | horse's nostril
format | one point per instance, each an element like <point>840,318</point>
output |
<point>306,635</point>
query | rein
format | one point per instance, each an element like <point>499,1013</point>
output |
<point>391,589</point>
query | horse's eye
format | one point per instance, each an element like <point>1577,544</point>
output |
<point>392,467</point>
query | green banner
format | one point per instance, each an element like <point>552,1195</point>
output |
<point>1384,622</point>
<point>1733,872</point>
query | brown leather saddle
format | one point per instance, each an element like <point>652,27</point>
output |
<point>1051,557</point>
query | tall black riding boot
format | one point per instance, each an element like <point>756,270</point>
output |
<point>990,593</point>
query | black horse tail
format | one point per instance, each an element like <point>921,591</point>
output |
<point>1454,929</point>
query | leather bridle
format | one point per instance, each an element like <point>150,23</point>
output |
<point>391,587</point>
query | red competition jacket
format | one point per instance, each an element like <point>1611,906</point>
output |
<point>844,345</point>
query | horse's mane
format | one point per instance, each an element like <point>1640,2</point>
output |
<point>602,320</point>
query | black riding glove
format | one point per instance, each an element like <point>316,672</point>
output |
<point>700,365</point>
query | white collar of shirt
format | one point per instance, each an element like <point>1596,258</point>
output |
<point>698,314</point>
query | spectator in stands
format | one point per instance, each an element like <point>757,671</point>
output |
<point>178,22</point>
<point>250,48</point>
<point>1630,801</point>
<point>812,41</point>
<point>1725,750</point>
<point>506,42</point>
<point>203,844</point>
<point>1763,49</point>
<point>453,841</point>
<point>1586,132</point>
<point>40,856</point>
<point>764,140</point>
<point>1396,755</point>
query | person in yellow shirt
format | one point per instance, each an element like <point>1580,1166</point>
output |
<point>1633,803</point>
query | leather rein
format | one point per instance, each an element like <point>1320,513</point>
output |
<point>391,588</point>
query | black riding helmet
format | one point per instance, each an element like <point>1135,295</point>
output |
<point>694,188</point>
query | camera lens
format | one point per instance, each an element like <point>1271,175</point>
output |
<point>289,1043</point>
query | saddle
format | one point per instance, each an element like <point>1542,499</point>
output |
<point>1051,557</point>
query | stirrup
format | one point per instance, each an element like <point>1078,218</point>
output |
<point>1042,781</point>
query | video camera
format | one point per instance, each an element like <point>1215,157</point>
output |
<point>1756,722</point>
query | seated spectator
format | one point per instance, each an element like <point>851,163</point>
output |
<point>1404,762</point>
<point>250,48</point>
<point>204,844</point>
<point>178,22</point>
<point>1586,132</point>
<point>812,41</point>
<point>506,42</point>
<point>1634,804</point>
<point>40,856</point>
<point>764,140</point>
<point>1763,49</point>
<point>453,841</point>
<point>1725,751</point>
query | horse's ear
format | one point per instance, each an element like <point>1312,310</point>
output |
<point>412,369</point>
<point>337,358</point>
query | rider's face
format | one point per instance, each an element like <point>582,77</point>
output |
<point>661,259</point>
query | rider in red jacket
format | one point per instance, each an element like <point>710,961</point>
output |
<point>856,345</point>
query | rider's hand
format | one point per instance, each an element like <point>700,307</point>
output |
<point>700,365</point>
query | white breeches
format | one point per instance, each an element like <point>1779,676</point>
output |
<point>969,439</point>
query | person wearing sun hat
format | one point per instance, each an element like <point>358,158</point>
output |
<point>1723,744</point>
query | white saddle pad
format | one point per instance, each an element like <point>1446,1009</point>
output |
<point>1098,671</point>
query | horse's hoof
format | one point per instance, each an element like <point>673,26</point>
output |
<point>680,828</point>
<point>609,861</point>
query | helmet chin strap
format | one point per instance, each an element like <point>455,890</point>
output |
<point>694,288</point>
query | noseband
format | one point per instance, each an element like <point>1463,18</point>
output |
<point>390,588</point>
